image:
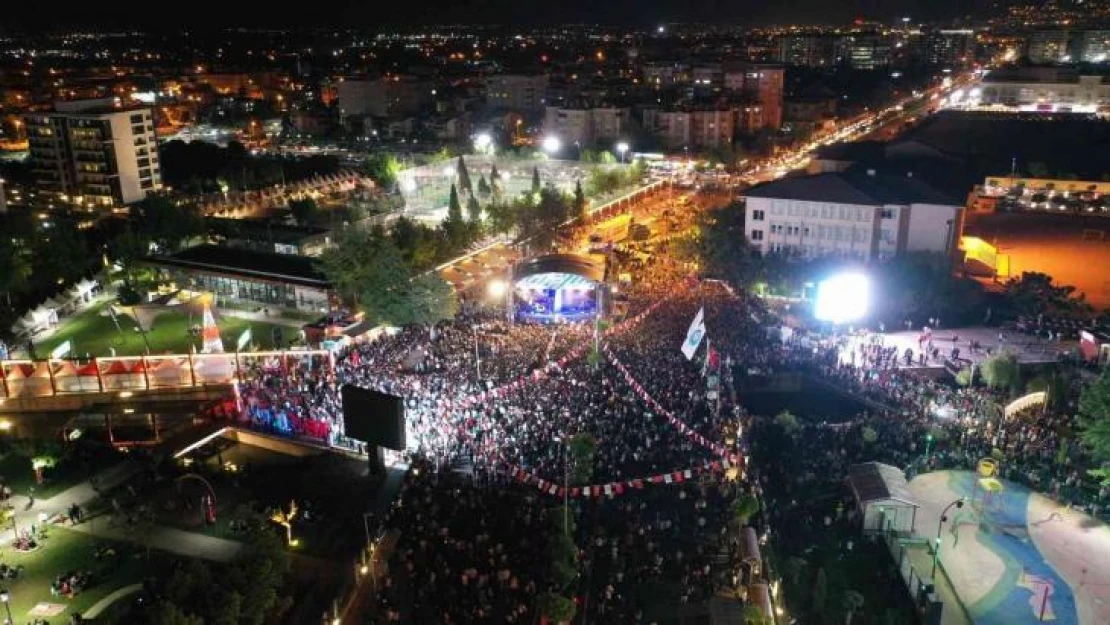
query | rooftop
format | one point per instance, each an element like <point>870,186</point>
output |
<point>875,481</point>
<point>296,270</point>
<point>853,187</point>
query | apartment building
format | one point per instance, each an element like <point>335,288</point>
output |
<point>387,96</point>
<point>586,125</point>
<point>694,129</point>
<point>523,93</point>
<point>857,215</point>
<point>93,154</point>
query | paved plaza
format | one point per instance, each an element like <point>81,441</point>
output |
<point>1029,349</point>
<point>1018,556</point>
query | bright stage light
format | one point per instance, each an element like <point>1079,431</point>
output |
<point>497,288</point>
<point>842,298</point>
<point>551,145</point>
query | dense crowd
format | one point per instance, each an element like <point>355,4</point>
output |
<point>488,401</point>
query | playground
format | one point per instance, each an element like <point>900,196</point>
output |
<point>1015,556</point>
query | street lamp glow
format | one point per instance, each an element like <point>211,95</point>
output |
<point>551,145</point>
<point>842,298</point>
<point>483,142</point>
<point>449,172</point>
<point>622,147</point>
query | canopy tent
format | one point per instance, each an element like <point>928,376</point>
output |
<point>145,314</point>
<point>883,497</point>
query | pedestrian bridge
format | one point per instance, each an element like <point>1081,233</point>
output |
<point>55,385</point>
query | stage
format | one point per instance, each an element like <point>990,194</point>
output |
<point>558,288</point>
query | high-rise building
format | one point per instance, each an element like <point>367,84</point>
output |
<point>811,50</point>
<point>1091,46</point>
<point>92,153</point>
<point>868,51</point>
<point>761,85</point>
<point>950,47</point>
<point>1048,46</point>
<point>517,92</point>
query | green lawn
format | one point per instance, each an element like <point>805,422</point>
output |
<point>63,551</point>
<point>94,333</point>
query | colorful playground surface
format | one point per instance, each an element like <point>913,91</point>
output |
<point>1015,556</point>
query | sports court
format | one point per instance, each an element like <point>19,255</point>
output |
<point>1015,556</point>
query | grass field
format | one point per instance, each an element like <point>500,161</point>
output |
<point>92,332</point>
<point>64,551</point>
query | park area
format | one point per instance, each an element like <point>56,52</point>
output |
<point>1015,556</point>
<point>427,189</point>
<point>92,332</point>
<point>100,568</point>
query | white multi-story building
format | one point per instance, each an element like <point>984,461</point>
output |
<point>94,153</point>
<point>587,125</point>
<point>1044,88</point>
<point>517,92</point>
<point>858,215</point>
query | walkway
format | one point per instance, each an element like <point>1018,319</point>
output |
<point>98,607</point>
<point>162,538</point>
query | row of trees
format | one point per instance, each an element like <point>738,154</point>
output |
<point>202,167</point>
<point>368,268</point>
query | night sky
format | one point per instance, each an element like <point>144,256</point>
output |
<point>22,14</point>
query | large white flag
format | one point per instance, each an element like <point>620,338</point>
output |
<point>694,335</point>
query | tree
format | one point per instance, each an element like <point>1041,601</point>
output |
<point>431,300</point>
<point>454,226</point>
<point>752,614</point>
<point>869,434</point>
<point>556,608</point>
<point>1001,371</point>
<point>15,270</point>
<point>464,177</point>
<point>382,168</point>
<point>60,257</point>
<point>1094,418</point>
<point>793,569</point>
<point>166,613</point>
<point>787,421</point>
<point>165,223</point>
<point>366,267</point>
<point>473,210</point>
<point>853,601</point>
<point>744,508</point>
<point>581,449</point>
<point>579,206</point>
<point>304,211</point>
<point>1033,294</point>
<point>535,180</point>
<point>125,249</point>
<point>483,187</point>
<point>721,246</point>
<point>820,593</point>
<point>496,185</point>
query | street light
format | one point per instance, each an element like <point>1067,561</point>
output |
<point>6,599</point>
<point>551,145</point>
<point>959,503</point>
<point>622,147</point>
<point>483,143</point>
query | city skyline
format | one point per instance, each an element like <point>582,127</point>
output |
<point>209,14</point>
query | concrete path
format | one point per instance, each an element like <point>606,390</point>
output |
<point>81,494</point>
<point>162,538</point>
<point>277,320</point>
<point>98,607</point>
<point>189,544</point>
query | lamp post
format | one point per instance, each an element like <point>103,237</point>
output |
<point>928,444</point>
<point>959,503</point>
<point>622,147</point>
<point>5,598</point>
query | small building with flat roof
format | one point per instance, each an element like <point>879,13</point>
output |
<point>249,276</point>
<point>883,497</point>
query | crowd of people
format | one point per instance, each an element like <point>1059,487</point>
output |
<point>491,407</point>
